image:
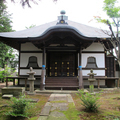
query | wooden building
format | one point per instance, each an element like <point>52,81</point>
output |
<point>56,49</point>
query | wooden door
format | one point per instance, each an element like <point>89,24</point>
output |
<point>62,64</point>
<point>110,67</point>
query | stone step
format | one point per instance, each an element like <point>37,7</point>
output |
<point>6,96</point>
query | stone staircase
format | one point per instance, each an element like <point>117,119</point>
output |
<point>63,83</point>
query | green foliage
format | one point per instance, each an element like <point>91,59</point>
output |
<point>30,26</point>
<point>111,9</point>
<point>89,101</point>
<point>19,107</point>
<point>100,20</point>
<point>7,56</point>
<point>6,73</point>
<point>6,52</point>
<point>5,22</point>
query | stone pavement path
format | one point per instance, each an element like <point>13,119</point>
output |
<point>54,107</point>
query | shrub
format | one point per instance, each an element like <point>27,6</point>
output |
<point>19,106</point>
<point>89,101</point>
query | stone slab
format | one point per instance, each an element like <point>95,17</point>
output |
<point>45,111</point>
<point>15,91</point>
<point>56,114</point>
<point>51,98</point>
<point>48,104</point>
<point>7,96</point>
<point>59,106</point>
<point>56,91</point>
<point>33,100</point>
<point>69,97</point>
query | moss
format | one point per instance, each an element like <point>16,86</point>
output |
<point>33,118</point>
<point>60,101</point>
<point>72,113</point>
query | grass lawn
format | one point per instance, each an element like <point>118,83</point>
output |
<point>109,107</point>
<point>34,111</point>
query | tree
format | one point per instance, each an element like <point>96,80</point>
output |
<point>113,11</point>
<point>5,22</point>
<point>6,52</point>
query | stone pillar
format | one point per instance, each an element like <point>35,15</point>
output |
<point>91,79</point>
<point>31,80</point>
<point>80,77</point>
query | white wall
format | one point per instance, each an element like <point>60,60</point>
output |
<point>28,46</point>
<point>98,72</point>
<point>116,73</point>
<point>24,58</point>
<point>100,59</point>
<point>22,82</point>
<point>95,47</point>
<point>101,82</point>
<point>25,71</point>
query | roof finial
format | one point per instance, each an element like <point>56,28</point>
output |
<point>62,12</point>
<point>62,18</point>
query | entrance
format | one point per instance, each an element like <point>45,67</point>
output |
<point>62,64</point>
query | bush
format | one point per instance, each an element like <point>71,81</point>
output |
<point>89,101</point>
<point>19,107</point>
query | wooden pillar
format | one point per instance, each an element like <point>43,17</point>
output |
<point>80,72</point>
<point>6,82</point>
<point>118,83</point>
<point>43,56</point>
<point>13,81</point>
<point>19,59</point>
<point>42,83</point>
<point>26,84</point>
<point>18,82</point>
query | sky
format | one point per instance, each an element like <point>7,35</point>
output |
<point>81,11</point>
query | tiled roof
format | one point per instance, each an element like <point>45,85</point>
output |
<point>40,30</point>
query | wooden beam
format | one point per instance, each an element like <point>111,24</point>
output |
<point>62,48</point>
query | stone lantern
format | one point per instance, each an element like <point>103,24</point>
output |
<point>91,79</point>
<point>31,80</point>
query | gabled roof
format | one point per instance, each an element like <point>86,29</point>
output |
<point>40,30</point>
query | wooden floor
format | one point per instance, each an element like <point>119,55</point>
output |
<point>61,83</point>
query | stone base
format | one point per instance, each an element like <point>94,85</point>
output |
<point>31,93</point>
